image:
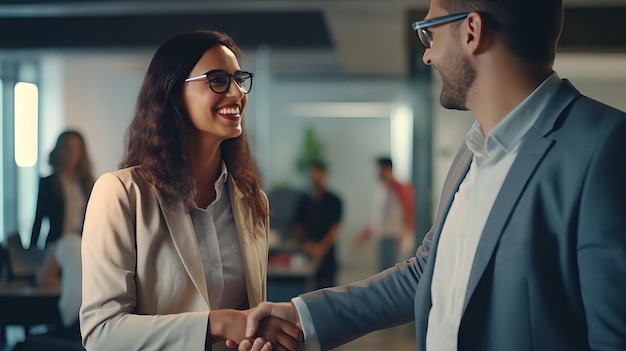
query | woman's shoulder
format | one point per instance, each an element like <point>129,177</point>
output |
<point>238,193</point>
<point>126,179</point>
<point>125,175</point>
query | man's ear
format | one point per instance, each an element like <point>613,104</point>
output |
<point>475,33</point>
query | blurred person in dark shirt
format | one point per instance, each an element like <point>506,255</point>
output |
<point>317,224</point>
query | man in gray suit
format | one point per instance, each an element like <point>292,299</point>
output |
<point>528,248</point>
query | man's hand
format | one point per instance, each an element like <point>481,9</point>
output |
<point>285,310</point>
<point>261,326</point>
<point>274,334</point>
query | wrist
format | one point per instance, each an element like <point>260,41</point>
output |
<point>216,329</point>
<point>226,324</point>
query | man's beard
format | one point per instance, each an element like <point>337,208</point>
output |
<point>456,84</point>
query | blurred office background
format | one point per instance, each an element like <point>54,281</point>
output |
<point>346,73</point>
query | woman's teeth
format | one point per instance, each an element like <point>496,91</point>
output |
<point>228,111</point>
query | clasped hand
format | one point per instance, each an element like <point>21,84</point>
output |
<point>270,327</point>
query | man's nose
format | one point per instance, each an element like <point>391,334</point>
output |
<point>426,57</point>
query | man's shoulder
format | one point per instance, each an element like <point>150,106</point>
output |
<point>589,119</point>
<point>402,188</point>
<point>588,104</point>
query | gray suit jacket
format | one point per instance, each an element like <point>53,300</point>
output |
<point>550,269</point>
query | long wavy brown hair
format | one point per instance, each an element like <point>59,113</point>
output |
<point>157,136</point>
<point>56,160</point>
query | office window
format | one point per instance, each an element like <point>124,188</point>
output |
<point>26,124</point>
<point>26,140</point>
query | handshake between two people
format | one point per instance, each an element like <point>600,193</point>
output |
<point>268,327</point>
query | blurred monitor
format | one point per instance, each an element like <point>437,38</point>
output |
<point>283,206</point>
<point>19,262</point>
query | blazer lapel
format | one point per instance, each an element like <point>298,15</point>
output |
<point>183,235</point>
<point>532,151</point>
<point>455,176</point>
<point>253,250</point>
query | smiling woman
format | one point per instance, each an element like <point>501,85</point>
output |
<point>175,243</point>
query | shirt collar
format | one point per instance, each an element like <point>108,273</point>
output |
<point>510,131</point>
<point>223,175</point>
<point>220,183</point>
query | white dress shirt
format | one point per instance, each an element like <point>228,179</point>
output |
<point>464,224</point>
<point>387,218</point>
<point>221,254</point>
<point>74,201</point>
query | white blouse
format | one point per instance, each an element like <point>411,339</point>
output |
<point>219,247</point>
<point>75,202</point>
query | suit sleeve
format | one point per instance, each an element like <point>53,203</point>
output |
<point>108,319</point>
<point>601,249</point>
<point>382,301</point>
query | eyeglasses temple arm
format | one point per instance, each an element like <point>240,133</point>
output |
<point>439,20</point>
<point>202,76</point>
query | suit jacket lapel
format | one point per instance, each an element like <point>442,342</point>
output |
<point>253,250</point>
<point>532,151</point>
<point>455,176</point>
<point>183,235</point>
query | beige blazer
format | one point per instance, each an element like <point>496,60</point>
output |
<point>144,287</point>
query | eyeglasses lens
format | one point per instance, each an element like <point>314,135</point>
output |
<point>424,37</point>
<point>220,81</point>
<point>244,79</point>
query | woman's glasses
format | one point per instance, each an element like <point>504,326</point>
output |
<point>219,81</point>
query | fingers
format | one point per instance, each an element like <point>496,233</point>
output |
<point>265,345</point>
<point>260,312</point>
<point>259,344</point>
<point>282,334</point>
<point>294,331</point>
<point>245,345</point>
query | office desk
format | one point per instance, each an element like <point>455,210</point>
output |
<point>290,275</point>
<point>21,304</point>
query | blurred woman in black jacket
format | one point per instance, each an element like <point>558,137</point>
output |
<point>63,195</point>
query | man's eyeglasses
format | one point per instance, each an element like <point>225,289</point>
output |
<point>219,80</point>
<point>421,27</point>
